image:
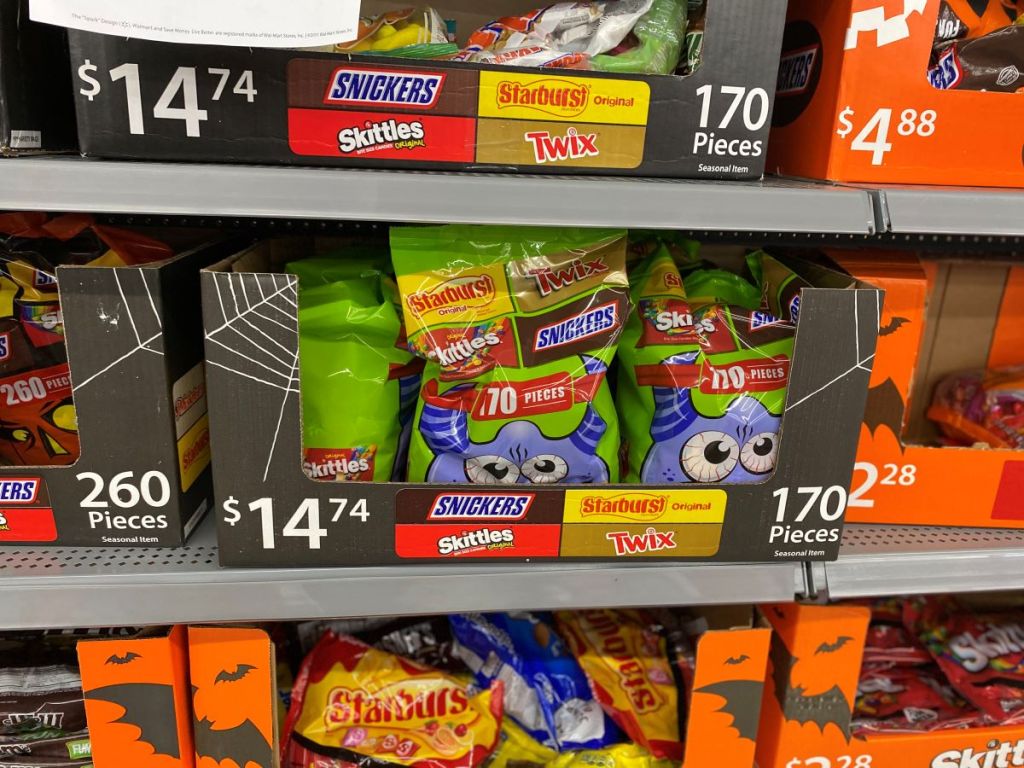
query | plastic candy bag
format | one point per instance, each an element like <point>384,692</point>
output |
<point>518,327</point>
<point>974,407</point>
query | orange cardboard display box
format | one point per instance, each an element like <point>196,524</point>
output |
<point>854,101</point>
<point>939,317</point>
<point>137,701</point>
<point>233,697</point>
<point>722,723</point>
<point>815,662</point>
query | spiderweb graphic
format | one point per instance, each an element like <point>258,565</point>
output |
<point>257,338</point>
<point>113,321</point>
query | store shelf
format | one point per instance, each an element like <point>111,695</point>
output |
<point>183,189</point>
<point>83,587</point>
<point>898,560</point>
<point>988,214</point>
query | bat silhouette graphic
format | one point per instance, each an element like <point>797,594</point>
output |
<point>742,702</point>
<point>127,658</point>
<point>892,326</point>
<point>884,407</point>
<point>734,660</point>
<point>833,647</point>
<point>229,677</point>
<point>147,706</point>
<point>820,709</point>
<point>243,744</point>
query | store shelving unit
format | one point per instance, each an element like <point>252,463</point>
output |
<point>985,217</point>
<point>183,189</point>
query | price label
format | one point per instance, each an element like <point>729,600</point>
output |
<point>843,761</point>
<point>888,474</point>
<point>874,133</point>
<point>304,522</point>
<point>185,97</point>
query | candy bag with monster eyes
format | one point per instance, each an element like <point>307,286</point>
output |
<point>708,377</point>
<point>518,327</point>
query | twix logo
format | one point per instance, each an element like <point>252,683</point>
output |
<point>548,148</point>
<point>453,295</point>
<point>551,279</point>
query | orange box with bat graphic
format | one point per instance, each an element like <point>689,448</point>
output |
<point>806,712</point>
<point>939,317</point>
<point>233,697</point>
<point>860,96</point>
<point>137,700</point>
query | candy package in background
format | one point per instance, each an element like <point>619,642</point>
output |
<point>703,380</point>
<point>626,660</point>
<point>39,703</point>
<point>980,653</point>
<point>908,699</point>
<point>888,641</point>
<point>615,756</point>
<point>38,426</point>
<point>973,407</point>
<point>979,46</point>
<point>357,377</point>
<point>546,692</point>
<point>517,749</point>
<point>625,36</point>
<point>408,32</point>
<point>518,327</point>
<point>354,704</point>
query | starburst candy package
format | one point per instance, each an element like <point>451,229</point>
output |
<point>518,328</point>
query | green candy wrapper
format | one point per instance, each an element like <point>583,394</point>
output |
<point>356,373</point>
<point>518,327</point>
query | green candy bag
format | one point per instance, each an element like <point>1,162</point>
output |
<point>702,385</point>
<point>518,327</point>
<point>357,378</point>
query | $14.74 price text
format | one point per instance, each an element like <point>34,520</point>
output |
<point>304,522</point>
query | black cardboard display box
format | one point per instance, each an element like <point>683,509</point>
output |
<point>269,513</point>
<point>135,353</point>
<point>36,109</point>
<point>159,101</point>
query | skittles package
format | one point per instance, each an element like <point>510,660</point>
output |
<point>357,377</point>
<point>627,663</point>
<point>546,692</point>
<point>357,705</point>
<point>908,699</point>
<point>703,379</point>
<point>38,425</point>
<point>518,327</point>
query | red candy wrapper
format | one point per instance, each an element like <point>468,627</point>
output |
<point>982,654</point>
<point>981,407</point>
<point>888,641</point>
<point>902,698</point>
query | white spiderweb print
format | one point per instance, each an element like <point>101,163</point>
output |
<point>145,324</point>
<point>258,337</point>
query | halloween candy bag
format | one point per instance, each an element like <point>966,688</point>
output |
<point>901,698</point>
<point>888,640</point>
<point>353,705</point>
<point>518,327</point>
<point>703,380</point>
<point>517,749</point>
<point>546,692</point>
<point>615,756</point>
<point>357,377</point>
<point>980,653</point>
<point>974,407</point>
<point>38,425</point>
<point>627,663</point>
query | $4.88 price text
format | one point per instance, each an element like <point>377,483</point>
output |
<point>183,88</point>
<point>304,522</point>
<point>874,135</point>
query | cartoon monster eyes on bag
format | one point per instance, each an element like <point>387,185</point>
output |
<point>519,454</point>
<point>740,446</point>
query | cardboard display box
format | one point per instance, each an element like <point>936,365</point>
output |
<point>136,363</point>
<point>815,663</point>
<point>940,317</point>
<point>137,699</point>
<point>270,513</point>
<point>36,109</point>
<point>854,102</point>
<point>297,107</point>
